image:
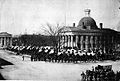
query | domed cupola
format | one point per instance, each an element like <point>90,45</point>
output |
<point>87,22</point>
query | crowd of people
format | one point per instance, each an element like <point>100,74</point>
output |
<point>48,53</point>
<point>101,73</point>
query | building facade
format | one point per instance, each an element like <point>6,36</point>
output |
<point>5,40</point>
<point>88,36</point>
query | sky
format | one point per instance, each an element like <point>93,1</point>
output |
<point>29,16</point>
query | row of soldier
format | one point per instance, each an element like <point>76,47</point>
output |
<point>101,73</point>
<point>49,54</point>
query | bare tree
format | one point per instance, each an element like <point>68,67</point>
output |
<point>54,32</point>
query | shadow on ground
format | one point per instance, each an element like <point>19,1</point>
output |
<point>3,63</point>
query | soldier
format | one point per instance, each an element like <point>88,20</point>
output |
<point>117,77</point>
<point>23,57</point>
<point>95,74</point>
<point>31,58</point>
<point>83,76</point>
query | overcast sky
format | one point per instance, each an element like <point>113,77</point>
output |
<point>18,16</point>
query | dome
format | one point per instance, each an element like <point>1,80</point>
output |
<point>87,23</point>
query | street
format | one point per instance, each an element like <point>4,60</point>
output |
<point>17,69</point>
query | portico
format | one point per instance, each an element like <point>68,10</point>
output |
<point>5,39</point>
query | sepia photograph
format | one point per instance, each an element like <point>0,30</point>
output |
<point>60,40</point>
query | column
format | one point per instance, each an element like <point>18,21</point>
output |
<point>0,41</point>
<point>96,42</point>
<point>76,41</point>
<point>81,42</point>
<point>104,44</point>
<point>6,41</point>
<point>61,42</point>
<point>63,38</point>
<point>91,42</point>
<point>11,41</point>
<point>65,43</point>
<point>86,43</point>
<point>58,42</point>
<point>72,41</point>
<point>68,41</point>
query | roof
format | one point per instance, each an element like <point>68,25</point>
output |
<point>76,30</point>
<point>5,34</point>
<point>87,23</point>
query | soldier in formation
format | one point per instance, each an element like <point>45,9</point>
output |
<point>101,73</point>
<point>67,56</point>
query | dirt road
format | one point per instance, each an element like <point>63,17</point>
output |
<point>27,70</point>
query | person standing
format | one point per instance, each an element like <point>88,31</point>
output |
<point>23,57</point>
<point>83,76</point>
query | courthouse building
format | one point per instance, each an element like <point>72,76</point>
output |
<point>5,40</point>
<point>88,36</point>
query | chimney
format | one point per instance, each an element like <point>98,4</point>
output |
<point>87,12</point>
<point>101,25</point>
<point>73,24</point>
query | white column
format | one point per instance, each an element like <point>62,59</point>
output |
<point>11,41</point>
<point>91,42</point>
<point>72,41</point>
<point>81,42</point>
<point>96,40</point>
<point>65,40</point>
<point>86,43</point>
<point>68,41</point>
<point>8,42</point>
<point>63,43</point>
<point>104,44</point>
<point>58,42</point>
<point>76,40</point>
<point>4,41</point>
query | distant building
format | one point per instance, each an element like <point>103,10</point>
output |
<point>5,39</point>
<point>88,36</point>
